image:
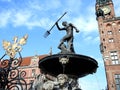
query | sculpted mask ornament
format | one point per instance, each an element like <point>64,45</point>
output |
<point>64,60</point>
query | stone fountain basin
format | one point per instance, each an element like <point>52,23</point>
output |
<point>78,65</point>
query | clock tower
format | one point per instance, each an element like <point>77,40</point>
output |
<point>109,30</point>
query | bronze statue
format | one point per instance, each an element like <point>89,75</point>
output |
<point>65,48</point>
<point>68,27</point>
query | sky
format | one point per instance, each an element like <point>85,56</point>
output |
<point>35,17</point>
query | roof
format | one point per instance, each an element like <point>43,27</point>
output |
<point>26,60</point>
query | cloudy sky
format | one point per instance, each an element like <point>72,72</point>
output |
<point>35,17</point>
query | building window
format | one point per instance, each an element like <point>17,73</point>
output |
<point>103,39</point>
<point>109,32</point>
<point>111,40</point>
<point>102,32</point>
<point>117,81</point>
<point>114,57</point>
<point>33,72</point>
<point>119,30</point>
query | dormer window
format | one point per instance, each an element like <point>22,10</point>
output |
<point>34,60</point>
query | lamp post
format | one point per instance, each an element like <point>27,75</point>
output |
<point>10,76</point>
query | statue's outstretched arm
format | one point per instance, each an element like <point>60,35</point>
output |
<point>77,30</point>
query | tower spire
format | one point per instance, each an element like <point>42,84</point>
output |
<point>50,52</point>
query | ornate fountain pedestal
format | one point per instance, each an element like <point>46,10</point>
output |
<point>65,69</point>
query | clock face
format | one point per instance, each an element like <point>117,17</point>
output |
<point>106,9</point>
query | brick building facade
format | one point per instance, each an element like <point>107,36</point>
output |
<point>30,68</point>
<point>109,30</point>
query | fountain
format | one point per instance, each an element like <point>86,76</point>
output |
<point>61,71</point>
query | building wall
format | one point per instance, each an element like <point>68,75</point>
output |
<point>110,39</point>
<point>109,30</point>
<point>30,68</point>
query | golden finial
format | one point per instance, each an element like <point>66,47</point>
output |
<point>12,49</point>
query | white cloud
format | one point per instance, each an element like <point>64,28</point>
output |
<point>117,7</point>
<point>72,6</point>
<point>42,22</point>
<point>32,14</point>
<point>86,24</point>
<point>91,39</point>
<point>44,5</point>
<point>28,19</point>
<point>20,18</point>
<point>53,4</point>
<point>4,18</point>
<point>86,84</point>
<point>34,5</point>
<point>6,0</point>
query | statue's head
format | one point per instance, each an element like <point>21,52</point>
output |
<point>64,23</point>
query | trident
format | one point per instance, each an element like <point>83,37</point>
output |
<point>48,32</point>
